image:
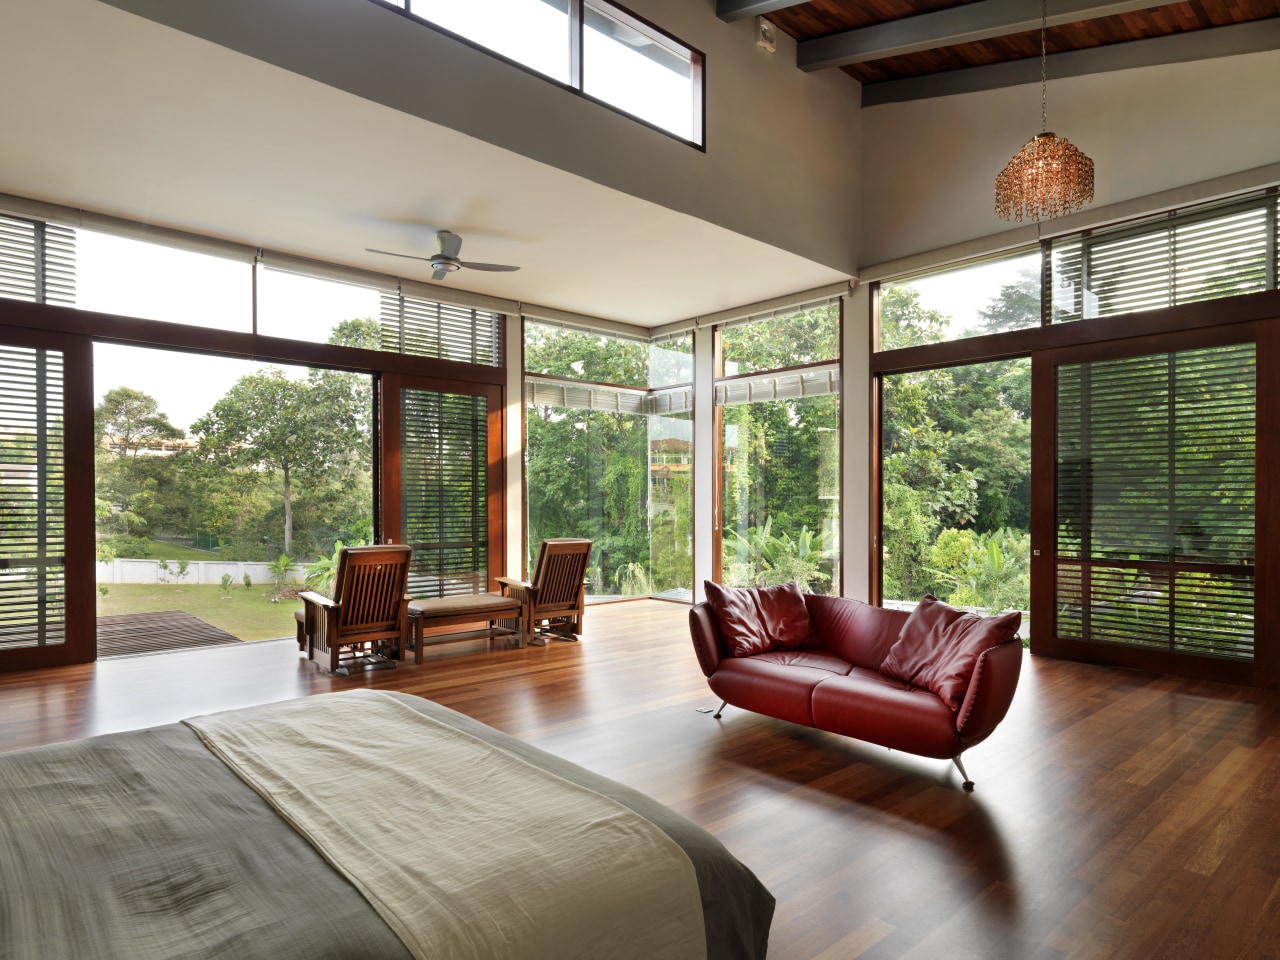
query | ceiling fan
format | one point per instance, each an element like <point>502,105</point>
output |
<point>446,261</point>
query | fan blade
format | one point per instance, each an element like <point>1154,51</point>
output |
<point>407,256</point>
<point>450,243</point>
<point>439,274</point>
<point>491,267</point>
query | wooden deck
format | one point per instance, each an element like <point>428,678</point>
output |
<point>1117,814</point>
<point>163,631</point>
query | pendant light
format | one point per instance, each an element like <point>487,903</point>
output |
<point>1048,177</point>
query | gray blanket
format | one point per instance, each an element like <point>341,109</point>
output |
<point>146,844</point>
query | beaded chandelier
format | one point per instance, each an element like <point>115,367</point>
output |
<point>1048,177</point>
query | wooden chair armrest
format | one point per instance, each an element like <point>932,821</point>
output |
<point>510,582</point>
<point>318,599</point>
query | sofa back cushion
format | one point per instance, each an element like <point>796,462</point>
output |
<point>939,646</point>
<point>857,632</point>
<point>753,620</point>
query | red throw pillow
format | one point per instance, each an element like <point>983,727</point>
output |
<point>753,620</point>
<point>939,646</point>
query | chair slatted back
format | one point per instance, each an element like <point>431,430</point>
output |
<point>369,587</point>
<point>558,573</point>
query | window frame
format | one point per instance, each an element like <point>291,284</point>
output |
<point>664,38</point>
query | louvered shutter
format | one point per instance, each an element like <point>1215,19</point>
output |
<point>32,479</point>
<point>37,262</point>
<point>425,328</point>
<point>444,513</point>
<point>1155,501</point>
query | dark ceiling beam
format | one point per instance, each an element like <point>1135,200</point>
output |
<point>1229,41</point>
<point>970,22</point>
<point>730,10</point>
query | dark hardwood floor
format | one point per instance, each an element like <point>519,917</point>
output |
<point>1116,814</point>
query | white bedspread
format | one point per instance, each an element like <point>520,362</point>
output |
<point>466,851</point>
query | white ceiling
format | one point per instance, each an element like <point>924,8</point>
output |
<point>113,113</point>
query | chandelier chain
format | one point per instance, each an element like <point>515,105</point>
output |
<point>1044,76</point>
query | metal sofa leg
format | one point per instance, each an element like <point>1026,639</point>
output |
<point>968,784</point>
<point>719,709</point>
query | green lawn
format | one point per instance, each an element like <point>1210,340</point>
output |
<point>247,614</point>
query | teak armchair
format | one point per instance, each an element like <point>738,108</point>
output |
<point>557,594</point>
<point>365,622</point>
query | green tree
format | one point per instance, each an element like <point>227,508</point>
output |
<point>283,431</point>
<point>127,422</point>
<point>1015,307</point>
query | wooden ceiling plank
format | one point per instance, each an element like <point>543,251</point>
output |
<point>1229,41</point>
<point>731,10</point>
<point>971,22</point>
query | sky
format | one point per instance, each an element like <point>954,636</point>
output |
<point>961,293</point>
<point>132,278</point>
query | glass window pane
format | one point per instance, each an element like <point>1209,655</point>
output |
<point>133,278</point>
<point>970,301</point>
<point>531,32</point>
<point>316,310</point>
<point>794,339</point>
<point>639,71</point>
<point>781,493</point>
<point>671,506</point>
<point>558,352</point>
<point>956,486</point>
<point>671,362</point>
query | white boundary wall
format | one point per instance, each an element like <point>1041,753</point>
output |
<point>123,570</point>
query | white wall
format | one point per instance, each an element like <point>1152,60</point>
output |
<point>779,143</point>
<point>929,166</point>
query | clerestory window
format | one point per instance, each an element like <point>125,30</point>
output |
<point>594,47</point>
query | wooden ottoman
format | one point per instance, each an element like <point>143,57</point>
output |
<point>447,611</point>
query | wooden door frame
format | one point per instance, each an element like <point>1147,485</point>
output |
<point>389,460</point>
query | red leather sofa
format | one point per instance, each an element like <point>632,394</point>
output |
<point>931,682</point>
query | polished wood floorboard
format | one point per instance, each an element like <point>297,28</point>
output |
<point>1116,814</point>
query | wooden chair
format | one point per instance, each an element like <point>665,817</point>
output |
<point>557,594</point>
<point>366,621</point>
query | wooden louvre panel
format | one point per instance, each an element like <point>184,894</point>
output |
<point>1184,259</point>
<point>444,513</point>
<point>1155,501</point>
<point>443,331</point>
<point>37,261</point>
<point>32,483</point>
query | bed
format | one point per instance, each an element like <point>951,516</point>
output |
<point>149,844</point>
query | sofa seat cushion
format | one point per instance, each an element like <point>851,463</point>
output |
<point>751,620</point>
<point>939,647</point>
<point>764,686</point>
<point>866,705</point>
<point>817,659</point>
